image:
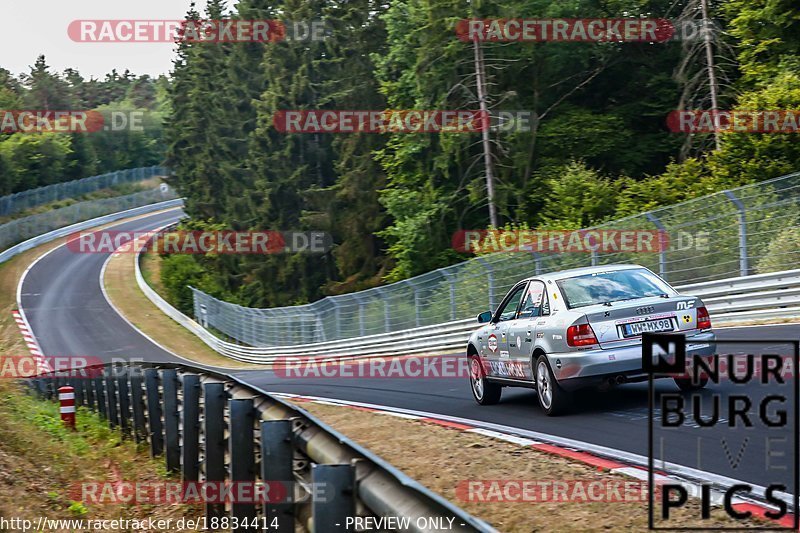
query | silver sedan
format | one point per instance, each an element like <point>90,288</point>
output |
<point>579,328</point>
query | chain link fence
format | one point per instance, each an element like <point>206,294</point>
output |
<point>24,228</point>
<point>14,203</point>
<point>751,229</point>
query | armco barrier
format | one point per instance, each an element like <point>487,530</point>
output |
<point>735,299</point>
<point>214,429</point>
<point>8,253</point>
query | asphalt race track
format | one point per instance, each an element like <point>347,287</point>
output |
<point>69,315</point>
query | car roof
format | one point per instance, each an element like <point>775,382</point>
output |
<point>572,272</point>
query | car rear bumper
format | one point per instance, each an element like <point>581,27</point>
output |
<point>575,370</point>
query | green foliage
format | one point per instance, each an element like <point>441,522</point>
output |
<point>597,149</point>
<point>782,254</point>
<point>34,159</point>
<point>577,196</point>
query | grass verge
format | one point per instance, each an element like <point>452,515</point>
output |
<point>442,458</point>
<point>39,460</point>
<point>43,464</point>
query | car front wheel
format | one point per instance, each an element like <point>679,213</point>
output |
<point>484,391</point>
<point>553,399</point>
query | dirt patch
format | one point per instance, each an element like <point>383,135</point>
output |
<point>443,459</point>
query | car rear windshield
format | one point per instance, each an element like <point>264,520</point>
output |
<point>609,287</point>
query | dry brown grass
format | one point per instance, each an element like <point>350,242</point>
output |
<point>124,293</point>
<point>441,458</point>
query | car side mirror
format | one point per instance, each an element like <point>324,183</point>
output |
<point>485,317</point>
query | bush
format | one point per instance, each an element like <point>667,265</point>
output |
<point>782,253</point>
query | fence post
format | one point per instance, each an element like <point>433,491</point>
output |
<point>191,427</point>
<point>387,323</point>
<point>214,419</point>
<point>155,427</point>
<point>744,267</point>
<point>451,280</point>
<point>662,251</point>
<point>337,319</point>
<point>137,403</point>
<point>169,383</point>
<point>277,457</point>
<point>338,481</point>
<point>242,454</point>
<point>489,280</point>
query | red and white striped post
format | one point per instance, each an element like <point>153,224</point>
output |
<point>66,397</point>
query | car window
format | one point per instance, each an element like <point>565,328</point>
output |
<point>532,304</point>
<point>509,310</point>
<point>609,287</point>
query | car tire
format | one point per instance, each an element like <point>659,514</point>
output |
<point>484,391</point>
<point>553,399</point>
<point>686,384</point>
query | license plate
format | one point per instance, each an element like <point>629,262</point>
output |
<point>648,326</point>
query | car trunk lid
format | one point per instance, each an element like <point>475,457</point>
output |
<point>622,323</point>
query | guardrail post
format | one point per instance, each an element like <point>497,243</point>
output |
<point>744,268</point>
<point>191,427</point>
<point>90,390</point>
<point>169,383</point>
<point>662,253</point>
<point>100,394</point>
<point>155,427</point>
<point>337,482</point>
<point>137,404</point>
<point>124,400</point>
<point>214,419</point>
<point>242,453</point>
<point>111,399</point>
<point>277,456</point>
<point>77,386</point>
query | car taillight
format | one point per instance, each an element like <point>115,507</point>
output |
<point>703,320</point>
<point>581,335</point>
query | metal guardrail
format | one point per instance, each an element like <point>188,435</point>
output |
<point>14,203</point>
<point>730,300</point>
<point>748,230</point>
<point>214,429</point>
<point>116,214</point>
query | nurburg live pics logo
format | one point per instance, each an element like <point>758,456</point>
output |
<point>767,417</point>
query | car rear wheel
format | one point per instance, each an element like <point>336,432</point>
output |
<point>484,391</point>
<point>553,399</point>
<point>686,384</point>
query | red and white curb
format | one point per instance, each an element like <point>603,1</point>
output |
<point>568,452</point>
<point>33,346</point>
